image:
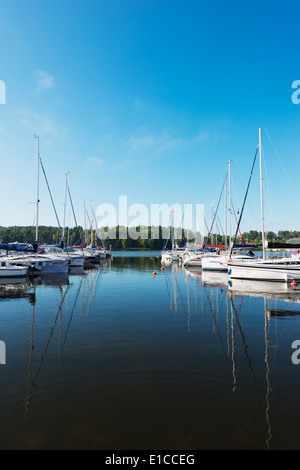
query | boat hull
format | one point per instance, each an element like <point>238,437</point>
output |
<point>264,273</point>
<point>76,262</point>
<point>13,272</point>
<point>197,262</point>
<point>49,267</point>
<point>214,264</point>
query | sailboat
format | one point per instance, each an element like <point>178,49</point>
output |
<point>193,258</point>
<point>38,262</point>
<point>75,258</point>
<point>167,255</point>
<point>280,270</point>
<point>217,261</point>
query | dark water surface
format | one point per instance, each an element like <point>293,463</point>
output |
<point>118,358</point>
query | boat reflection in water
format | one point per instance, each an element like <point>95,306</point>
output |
<point>267,289</point>
<point>79,305</point>
<point>213,293</point>
<point>76,271</point>
<point>14,288</point>
<point>55,280</point>
<point>217,279</point>
<point>217,342</point>
<point>194,272</point>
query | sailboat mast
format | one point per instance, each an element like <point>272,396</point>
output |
<point>188,230</point>
<point>92,233</point>
<point>229,195</point>
<point>65,204</point>
<point>85,234</point>
<point>226,241</point>
<point>173,232</point>
<point>212,221</point>
<point>262,196</point>
<point>38,190</point>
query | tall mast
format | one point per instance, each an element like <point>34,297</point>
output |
<point>262,196</point>
<point>65,204</point>
<point>92,233</point>
<point>85,235</point>
<point>38,190</point>
<point>188,230</point>
<point>211,221</point>
<point>229,194</point>
<point>173,232</point>
<point>226,241</point>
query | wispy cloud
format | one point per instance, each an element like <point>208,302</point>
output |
<point>121,165</point>
<point>158,142</point>
<point>45,80</point>
<point>94,162</point>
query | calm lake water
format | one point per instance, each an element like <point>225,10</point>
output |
<point>117,358</point>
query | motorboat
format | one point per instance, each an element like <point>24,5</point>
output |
<point>8,270</point>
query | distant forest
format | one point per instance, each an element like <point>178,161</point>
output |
<point>143,241</point>
<point>77,236</point>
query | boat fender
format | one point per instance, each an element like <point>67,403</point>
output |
<point>229,271</point>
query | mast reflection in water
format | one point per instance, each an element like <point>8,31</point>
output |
<point>116,358</point>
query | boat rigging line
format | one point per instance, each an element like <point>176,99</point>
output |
<point>215,214</point>
<point>46,179</point>
<point>246,195</point>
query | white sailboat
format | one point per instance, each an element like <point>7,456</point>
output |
<point>75,258</point>
<point>8,270</point>
<point>193,259</point>
<point>36,262</point>
<point>217,262</point>
<point>166,257</point>
<point>280,270</point>
<point>173,253</point>
<point>220,262</point>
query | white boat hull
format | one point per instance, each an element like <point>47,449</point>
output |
<point>197,262</point>
<point>265,272</point>
<point>214,264</point>
<point>166,257</point>
<point>76,262</point>
<point>12,272</point>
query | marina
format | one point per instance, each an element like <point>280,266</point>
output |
<point>182,360</point>
<point>149,228</point>
<point>174,349</point>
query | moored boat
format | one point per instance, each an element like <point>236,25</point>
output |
<point>7,270</point>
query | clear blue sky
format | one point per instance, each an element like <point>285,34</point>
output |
<point>149,99</point>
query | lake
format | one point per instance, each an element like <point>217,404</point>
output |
<point>119,358</point>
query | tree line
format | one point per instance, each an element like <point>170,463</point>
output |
<point>78,236</point>
<point>139,238</point>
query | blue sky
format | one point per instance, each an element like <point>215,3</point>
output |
<point>149,99</point>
